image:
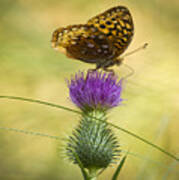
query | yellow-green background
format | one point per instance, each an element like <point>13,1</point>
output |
<point>29,67</point>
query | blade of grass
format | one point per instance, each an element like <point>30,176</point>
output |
<point>153,162</point>
<point>85,175</point>
<point>30,133</point>
<point>111,124</point>
<point>27,132</point>
<point>41,102</point>
<point>118,170</point>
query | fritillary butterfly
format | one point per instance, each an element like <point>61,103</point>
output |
<point>100,41</point>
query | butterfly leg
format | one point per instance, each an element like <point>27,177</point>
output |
<point>108,64</point>
<point>98,66</point>
<point>104,65</point>
<point>109,70</point>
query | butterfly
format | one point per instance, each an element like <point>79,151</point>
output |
<point>100,41</point>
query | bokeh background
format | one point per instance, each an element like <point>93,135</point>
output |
<point>30,68</point>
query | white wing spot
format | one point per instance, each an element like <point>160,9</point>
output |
<point>105,46</point>
<point>93,36</point>
<point>90,45</point>
<point>99,50</point>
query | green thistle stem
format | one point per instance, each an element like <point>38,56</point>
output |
<point>92,175</point>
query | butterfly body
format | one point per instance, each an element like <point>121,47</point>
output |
<point>100,41</point>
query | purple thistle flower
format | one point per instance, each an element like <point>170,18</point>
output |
<point>95,90</point>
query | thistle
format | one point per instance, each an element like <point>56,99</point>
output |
<point>95,90</point>
<point>93,144</point>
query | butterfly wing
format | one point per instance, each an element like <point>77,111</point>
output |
<point>100,41</point>
<point>83,42</point>
<point>117,24</point>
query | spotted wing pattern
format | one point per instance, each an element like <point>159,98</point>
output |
<point>117,24</point>
<point>83,42</point>
<point>102,38</point>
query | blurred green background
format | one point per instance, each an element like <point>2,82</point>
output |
<point>29,67</point>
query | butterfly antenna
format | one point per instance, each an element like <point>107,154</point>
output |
<point>135,50</point>
<point>130,73</point>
